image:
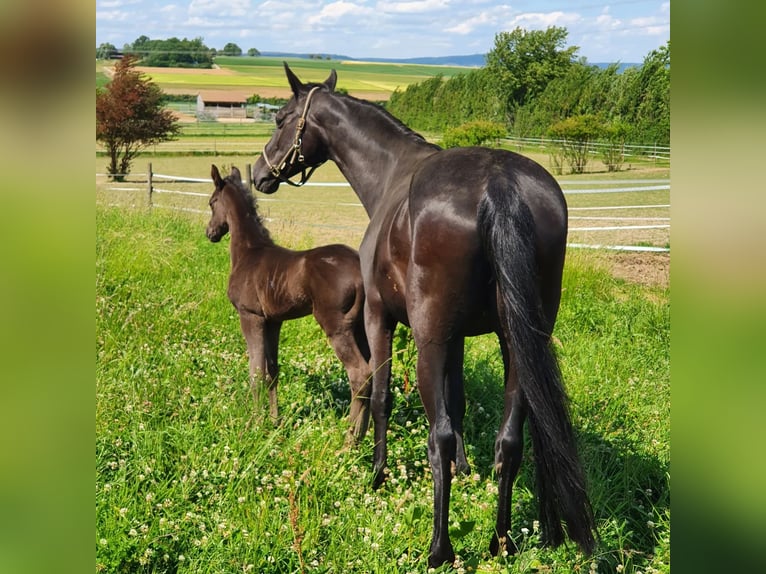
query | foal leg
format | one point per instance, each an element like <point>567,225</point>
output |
<point>509,448</point>
<point>343,341</point>
<point>271,347</point>
<point>262,353</point>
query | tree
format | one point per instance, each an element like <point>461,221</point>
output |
<point>253,52</point>
<point>130,117</point>
<point>574,136</point>
<point>105,51</point>
<point>523,62</point>
<point>231,49</point>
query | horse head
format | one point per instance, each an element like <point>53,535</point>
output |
<point>218,226</point>
<point>295,145</point>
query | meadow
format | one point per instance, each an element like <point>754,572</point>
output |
<point>190,477</point>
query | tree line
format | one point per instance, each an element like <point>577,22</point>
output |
<point>535,86</point>
<point>171,53</point>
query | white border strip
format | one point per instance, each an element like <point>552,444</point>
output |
<point>619,227</point>
<point>619,207</point>
<point>620,247</point>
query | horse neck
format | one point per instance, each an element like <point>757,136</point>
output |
<point>246,230</point>
<point>372,151</point>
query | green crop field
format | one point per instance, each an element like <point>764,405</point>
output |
<point>262,75</point>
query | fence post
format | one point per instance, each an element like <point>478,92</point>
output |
<point>149,183</point>
<point>249,176</point>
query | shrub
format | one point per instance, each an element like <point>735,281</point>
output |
<point>473,133</point>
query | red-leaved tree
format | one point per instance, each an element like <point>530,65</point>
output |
<point>130,116</point>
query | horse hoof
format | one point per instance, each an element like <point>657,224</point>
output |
<point>461,467</point>
<point>437,559</point>
<point>378,478</point>
<point>502,546</point>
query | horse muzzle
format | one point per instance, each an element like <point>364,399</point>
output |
<point>263,180</point>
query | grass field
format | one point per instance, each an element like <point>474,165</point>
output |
<point>334,214</point>
<point>189,478</point>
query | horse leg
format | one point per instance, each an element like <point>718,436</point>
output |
<point>442,443</point>
<point>359,373</point>
<point>456,401</point>
<point>271,355</point>
<point>253,328</point>
<point>380,330</point>
<point>509,447</point>
<point>262,350</point>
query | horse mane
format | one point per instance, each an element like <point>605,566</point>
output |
<point>251,205</point>
<point>387,117</point>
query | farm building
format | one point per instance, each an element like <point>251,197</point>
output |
<point>220,104</point>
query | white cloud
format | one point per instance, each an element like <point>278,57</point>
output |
<point>468,26</point>
<point>113,16</point>
<point>414,7</point>
<point>218,9</point>
<point>539,20</point>
<point>336,11</point>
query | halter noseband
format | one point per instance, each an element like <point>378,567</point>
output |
<point>294,151</point>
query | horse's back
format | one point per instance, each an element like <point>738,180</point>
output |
<point>463,175</point>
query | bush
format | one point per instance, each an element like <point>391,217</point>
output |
<point>574,136</point>
<point>473,133</point>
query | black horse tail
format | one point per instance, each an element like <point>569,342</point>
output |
<point>508,235</point>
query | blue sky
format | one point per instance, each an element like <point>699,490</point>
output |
<point>622,30</point>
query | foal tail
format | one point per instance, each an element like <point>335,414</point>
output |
<point>508,234</point>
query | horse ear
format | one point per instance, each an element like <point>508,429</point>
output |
<point>236,174</point>
<point>330,81</point>
<point>216,175</point>
<point>295,83</point>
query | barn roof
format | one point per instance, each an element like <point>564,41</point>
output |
<point>221,96</point>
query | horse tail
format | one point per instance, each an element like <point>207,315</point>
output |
<point>508,235</point>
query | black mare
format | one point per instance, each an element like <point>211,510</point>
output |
<point>460,242</point>
<point>270,284</point>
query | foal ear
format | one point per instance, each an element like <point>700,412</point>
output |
<point>330,82</point>
<point>216,175</point>
<point>235,174</point>
<point>295,83</point>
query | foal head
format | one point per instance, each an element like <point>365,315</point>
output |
<point>295,145</point>
<point>229,195</point>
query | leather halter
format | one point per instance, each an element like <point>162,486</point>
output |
<point>294,151</point>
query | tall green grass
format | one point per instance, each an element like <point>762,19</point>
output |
<point>191,478</point>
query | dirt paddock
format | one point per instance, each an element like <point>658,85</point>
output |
<point>646,268</point>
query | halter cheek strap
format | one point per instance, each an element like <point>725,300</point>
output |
<point>294,152</point>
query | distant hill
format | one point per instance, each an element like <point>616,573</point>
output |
<point>469,61</point>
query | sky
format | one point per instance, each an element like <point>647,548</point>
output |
<point>618,31</point>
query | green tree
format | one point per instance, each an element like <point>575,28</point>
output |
<point>523,63</point>
<point>171,53</point>
<point>105,51</point>
<point>231,49</point>
<point>473,133</point>
<point>130,116</point>
<point>253,52</point>
<point>574,137</point>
